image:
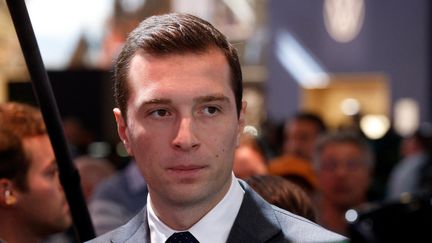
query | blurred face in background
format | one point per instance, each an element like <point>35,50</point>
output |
<point>343,174</point>
<point>300,137</point>
<point>42,208</point>
<point>248,162</point>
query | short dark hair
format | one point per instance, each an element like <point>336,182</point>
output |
<point>311,117</point>
<point>18,121</point>
<point>349,137</point>
<point>13,162</point>
<point>173,33</point>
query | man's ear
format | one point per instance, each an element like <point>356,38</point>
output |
<point>7,193</point>
<point>122,130</point>
<point>241,122</point>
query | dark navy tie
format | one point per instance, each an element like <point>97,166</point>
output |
<point>182,237</point>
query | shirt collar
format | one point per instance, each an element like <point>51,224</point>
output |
<point>217,223</point>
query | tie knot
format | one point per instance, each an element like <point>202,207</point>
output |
<point>182,237</point>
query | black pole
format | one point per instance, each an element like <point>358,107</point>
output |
<point>69,176</point>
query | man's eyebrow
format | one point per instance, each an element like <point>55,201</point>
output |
<point>210,98</point>
<point>157,101</point>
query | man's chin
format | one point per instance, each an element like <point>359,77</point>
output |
<point>186,198</point>
<point>346,203</point>
<point>64,224</point>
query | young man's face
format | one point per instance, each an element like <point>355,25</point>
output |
<point>182,126</point>
<point>43,207</point>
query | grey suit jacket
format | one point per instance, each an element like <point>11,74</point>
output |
<point>257,221</point>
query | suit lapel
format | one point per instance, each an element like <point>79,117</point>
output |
<point>136,230</point>
<point>255,221</point>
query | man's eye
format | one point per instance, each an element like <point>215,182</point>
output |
<point>328,165</point>
<point>160,113</point>
<point>211,110</point>
<point>52,172</point>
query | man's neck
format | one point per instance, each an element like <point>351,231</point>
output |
<point>12,231</point>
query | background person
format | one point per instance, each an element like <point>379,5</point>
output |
<point>92,171</point>
<point>117,199</point>
<point>32,201</point>
<point>295,164</point>
<point>408,174</point>
<point>249,159</point>
<point>344,164</point>
<point>301,133</point>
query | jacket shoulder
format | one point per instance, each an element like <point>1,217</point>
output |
<point>299,229</point>
<point>135,229</point>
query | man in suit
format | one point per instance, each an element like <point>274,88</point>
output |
<point>178,87</point>
<point>32,201</point>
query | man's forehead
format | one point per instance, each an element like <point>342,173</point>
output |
<point>149,62</point>
<point>149,74</point>
<point>36,139</point>
<point>338,146</point>
<point>38,145</point>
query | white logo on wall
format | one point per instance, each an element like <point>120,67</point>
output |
<point>343,19</point>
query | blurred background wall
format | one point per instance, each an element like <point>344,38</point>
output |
<point>394,41</point>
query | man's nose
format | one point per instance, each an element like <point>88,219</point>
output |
<point>185,137</point>
<point>341,170</point>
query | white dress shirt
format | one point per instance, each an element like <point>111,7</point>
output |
<point>214,227</point>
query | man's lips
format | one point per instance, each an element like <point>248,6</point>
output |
<point>342,189</point>
<point>186,170</point>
